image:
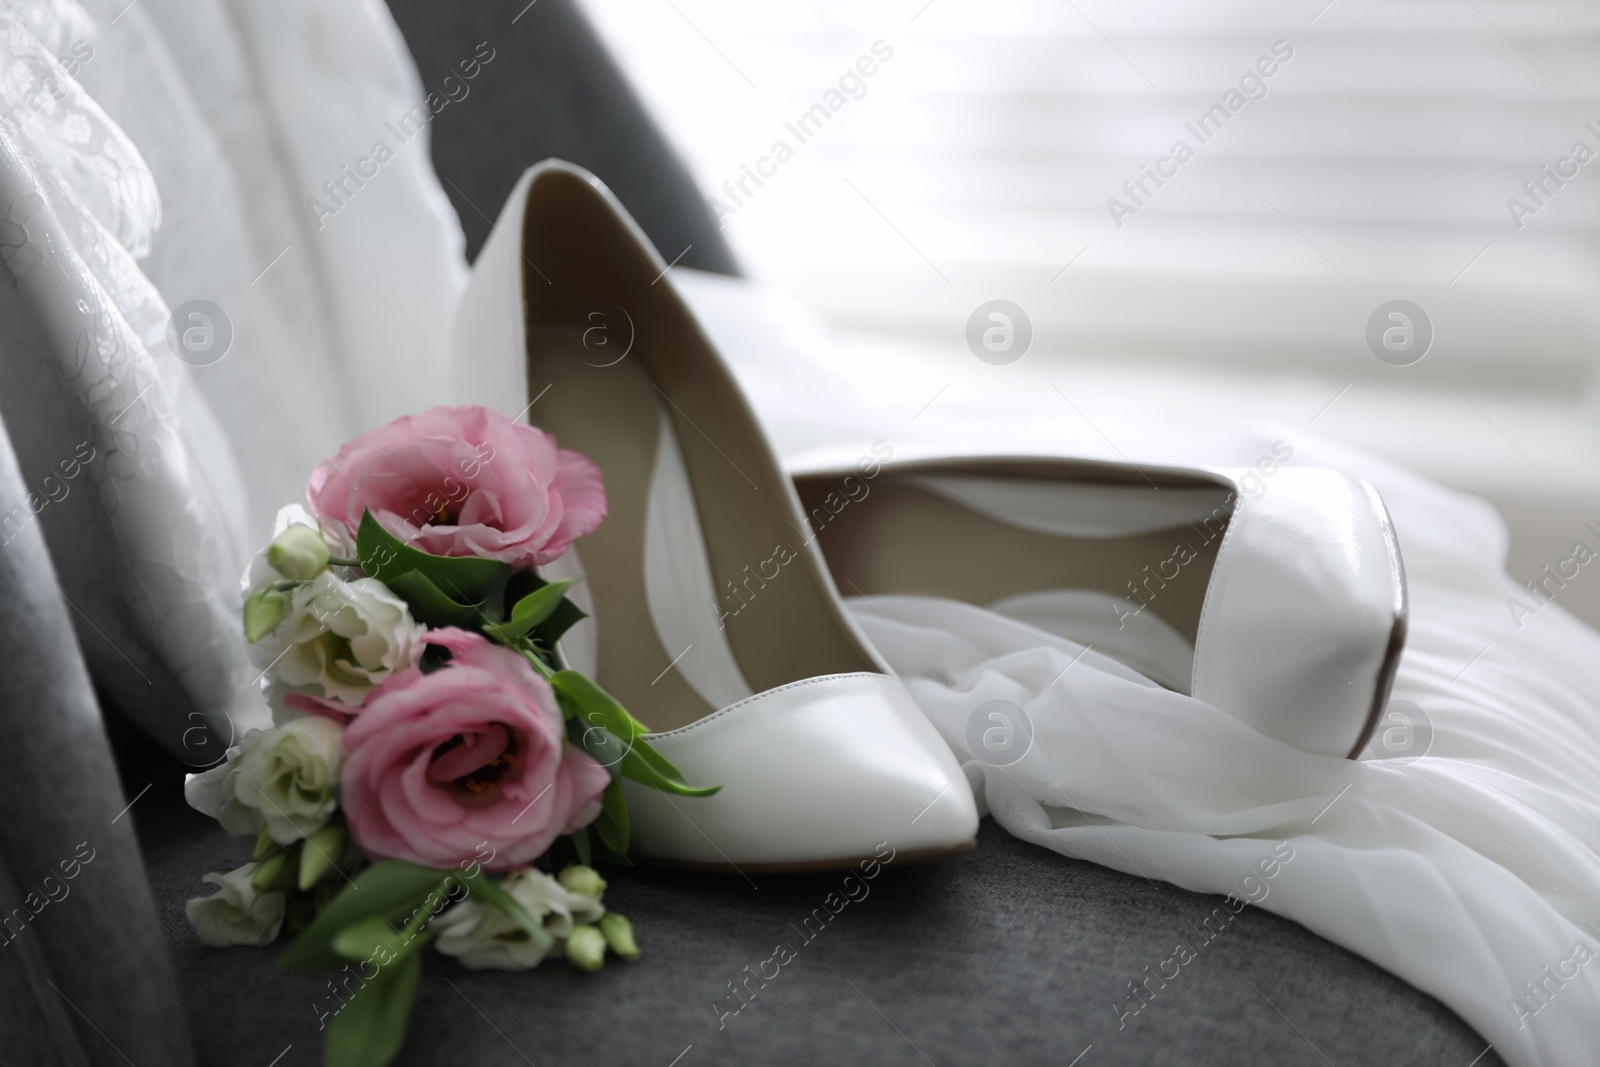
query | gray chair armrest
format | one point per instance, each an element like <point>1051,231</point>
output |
<point>552,89</point>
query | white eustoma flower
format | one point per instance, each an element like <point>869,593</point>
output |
<point>483,937</point>
<point>285,778</point>
<point>236,914</point>
<point>211,792</point>
<point>343,637</point>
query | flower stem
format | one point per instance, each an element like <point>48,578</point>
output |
<point>526,650</point>
<point>343,561</point>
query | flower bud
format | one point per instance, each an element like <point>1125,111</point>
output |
<point>263,611</point>
<point>585,948</point>
<point>584,881</point>
<point>298,553</point>
<point>321,853</point>
<point>269,872</point>
<point>618,933</point>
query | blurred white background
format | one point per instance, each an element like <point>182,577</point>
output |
<point>1376,162</point>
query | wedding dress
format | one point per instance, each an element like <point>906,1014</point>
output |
<point>157,153</point>
<point>1471,872</point>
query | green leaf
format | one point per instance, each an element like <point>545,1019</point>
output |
<point>611,826</point>
<point>430,605</point>
<point>391,890</point>
<point>565,617</point>
<point>298,908</point>
<point>464,579</point>
<point>579,696</point>
<point>493,894</point>
<point>580,841</point>
<point>544,633</point>
<point>602,854</point>
<point>369,1030</point>
<point>606,747</point>
<point>365,939</point>
<point>648,767</point>
<point>533,609</point>
<point>599,710</point>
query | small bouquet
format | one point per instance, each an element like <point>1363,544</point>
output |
<point>433,774</point>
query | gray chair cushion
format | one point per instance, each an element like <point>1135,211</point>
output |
<point>1008,955</point>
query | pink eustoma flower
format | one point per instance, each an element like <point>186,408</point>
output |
<point>462,481</point>
<point>472,755</point>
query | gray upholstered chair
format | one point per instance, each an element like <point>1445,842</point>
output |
<point>1008,955</point>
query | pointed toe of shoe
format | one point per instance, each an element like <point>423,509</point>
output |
<point>818,774</point>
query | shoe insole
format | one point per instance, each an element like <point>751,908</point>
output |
<point>904,538</point>
<point>771,597</point>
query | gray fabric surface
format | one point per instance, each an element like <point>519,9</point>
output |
<point>1009,955</point>
<point>83,975</point>
<point>550,90</point>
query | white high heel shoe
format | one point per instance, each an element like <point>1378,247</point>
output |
<point>822,756</point>
<point>1280,601</point>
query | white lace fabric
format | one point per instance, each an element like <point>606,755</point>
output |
<point>162,152</point>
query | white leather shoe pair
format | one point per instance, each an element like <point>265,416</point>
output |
<point>714,619</point>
